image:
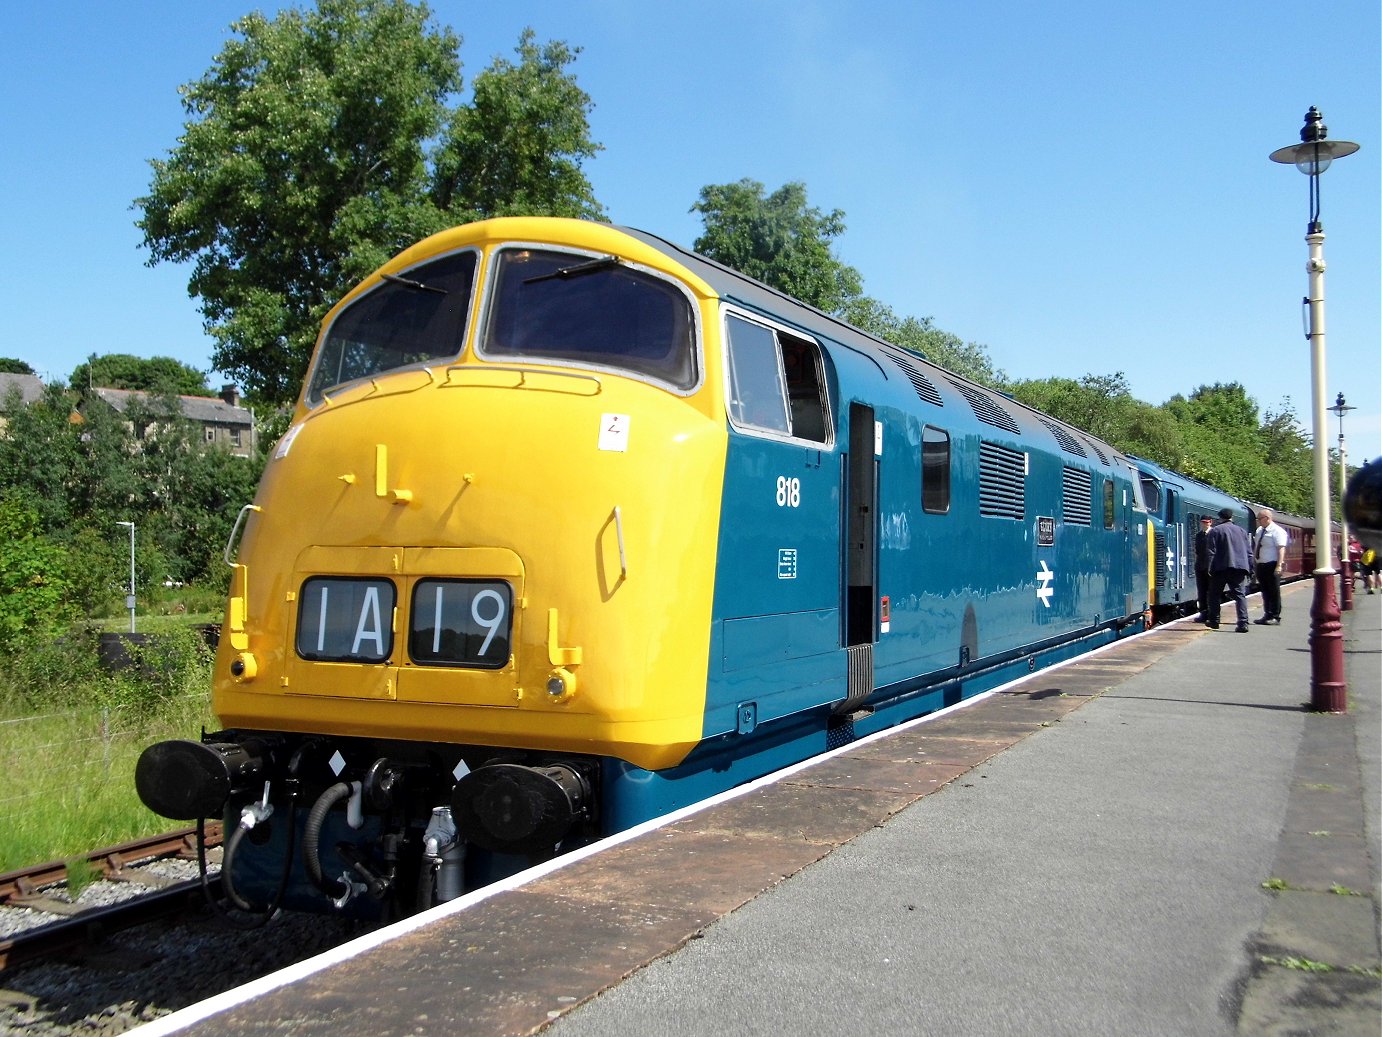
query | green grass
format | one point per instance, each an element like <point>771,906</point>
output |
<point>71,777</point>
<point>145,623</point>
<point>71,733</point>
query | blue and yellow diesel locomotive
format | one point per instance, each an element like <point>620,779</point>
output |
<point>573,527</point>
<point>1175,505</point>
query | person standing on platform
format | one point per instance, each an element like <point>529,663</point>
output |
<point>1355,561</point>
<point>1202,568</point>
<point>1269,555</point>
<point>1372,566</point>
<point>1229,551</point>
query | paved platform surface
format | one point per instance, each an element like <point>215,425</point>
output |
<point>1160,839</point>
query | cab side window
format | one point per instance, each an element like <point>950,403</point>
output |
<point>776,381</point>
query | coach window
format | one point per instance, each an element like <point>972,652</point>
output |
<point>935,470</point>
<point>776,381</point>
<point>1109,509</point>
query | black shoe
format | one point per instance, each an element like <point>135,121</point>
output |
<point>1212,626</point>
<point>1276,621</point>
<point>1262,622</point>
<point>1241,628</point>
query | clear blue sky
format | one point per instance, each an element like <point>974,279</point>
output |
<point>1082,187</point>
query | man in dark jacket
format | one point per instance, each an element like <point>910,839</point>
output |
<point>1202,581</point>
<point>1230,551</point>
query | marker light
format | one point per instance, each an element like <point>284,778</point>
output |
<point>561,684</point>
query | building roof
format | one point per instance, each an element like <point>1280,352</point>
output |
<point>209,410</point>
<point>29,385</point>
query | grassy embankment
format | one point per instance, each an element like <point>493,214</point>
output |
<point>70,734</point>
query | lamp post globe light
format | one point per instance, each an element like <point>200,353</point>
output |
<point>1345,565</point>
<point>1312,156</point>
<point>129,599</point>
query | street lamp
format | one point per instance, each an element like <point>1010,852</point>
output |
<point>1345,565</point>
<point>1312,156</point>
<point>129,600</point>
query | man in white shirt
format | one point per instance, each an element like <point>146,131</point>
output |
<point>1269,555</point>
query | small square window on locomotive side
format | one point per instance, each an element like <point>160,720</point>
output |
<point>935,470</point>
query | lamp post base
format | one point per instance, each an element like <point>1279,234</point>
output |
<point>1345,585</point>
<point>1328,689</point>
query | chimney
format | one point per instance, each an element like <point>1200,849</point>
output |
<point>231,395</point>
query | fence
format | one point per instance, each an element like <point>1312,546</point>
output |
<point>70,776</point>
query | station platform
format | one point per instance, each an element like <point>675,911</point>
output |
<point>1159,838</point>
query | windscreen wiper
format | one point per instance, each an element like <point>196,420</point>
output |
<point>590,267</point>
<point>415,285</point>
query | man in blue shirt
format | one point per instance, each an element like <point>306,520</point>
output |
<point>1230,553</point>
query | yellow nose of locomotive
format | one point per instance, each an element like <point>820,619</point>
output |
<point>480,551</point>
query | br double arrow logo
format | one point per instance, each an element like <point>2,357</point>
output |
<point>1044,577</point>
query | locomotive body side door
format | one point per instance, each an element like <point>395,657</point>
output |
<point>774,639</point>
<point>860,563</point>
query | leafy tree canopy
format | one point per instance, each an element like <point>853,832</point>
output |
<point>9,365</point>
<point>34,586</point>
<point>149,465</point>
<point>322,142</point>
<point>486,165</point>
<point>787,244</point>
<point>1213,435</point>
<point>779,240</point>
<point>920,335</point>
<point>160,374</point>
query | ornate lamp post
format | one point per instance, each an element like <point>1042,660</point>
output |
<point>1345,565</point>
<point>1328,689</point>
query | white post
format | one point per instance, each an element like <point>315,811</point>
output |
<point>1324,540</point>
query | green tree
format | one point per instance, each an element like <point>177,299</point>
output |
<point>197,493</point>
<point>1287,453</point>
<point>34,598</point>
<point>919,334</point>
<point>1103,406</point>
<point>787,244</point>
<point>517,148</point>
<point>320,143</point>
<point>779,240</point>
<point>9,365</point>
<point>41,455</point>
<point>77,475</point>
<point>1227,445</point>
<point>160,374</point>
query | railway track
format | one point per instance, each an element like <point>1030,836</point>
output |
<point>42,918</point>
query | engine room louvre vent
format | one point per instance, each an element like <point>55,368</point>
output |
<point>1095,447</point>
<point>1159,548</point>
<point>1077,501</point>
<point>1068,443</point>
<point>1002,481</point>
<point>986,409</point>
<point>925,388</point>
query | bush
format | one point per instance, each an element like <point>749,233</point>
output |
<point>159,669</point>
<point>52,673</point>
<point>35,593</point>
